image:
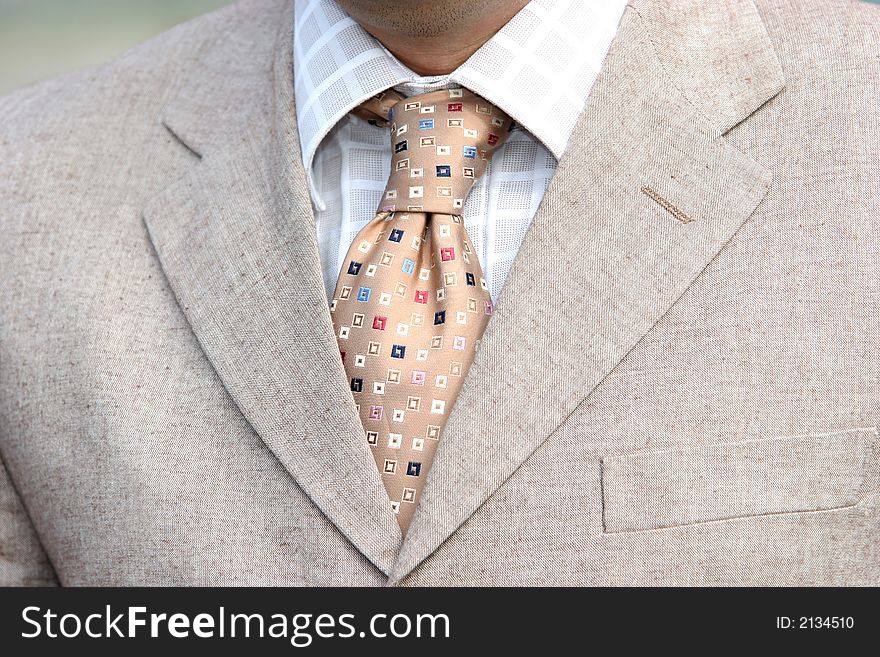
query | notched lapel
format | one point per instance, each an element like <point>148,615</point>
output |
<point>236,240</point>
<point>600,265</point>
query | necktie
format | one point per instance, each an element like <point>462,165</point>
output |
<point>411,302</point>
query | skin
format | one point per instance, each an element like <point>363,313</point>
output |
<point>432,37</point>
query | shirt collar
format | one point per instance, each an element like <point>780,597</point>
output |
<point>539,68</point>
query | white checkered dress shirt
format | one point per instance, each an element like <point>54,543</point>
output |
<point>539,68</point>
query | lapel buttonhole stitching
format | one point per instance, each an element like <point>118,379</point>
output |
<point>666,205</point>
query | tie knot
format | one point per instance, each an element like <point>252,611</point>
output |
<point>441,144</point>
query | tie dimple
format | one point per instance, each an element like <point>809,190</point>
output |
<point>411,302</point>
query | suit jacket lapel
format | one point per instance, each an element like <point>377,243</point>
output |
<point>604,259</point>
<point>236,240</point>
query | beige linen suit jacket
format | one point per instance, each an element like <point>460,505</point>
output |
<point>680,385</point>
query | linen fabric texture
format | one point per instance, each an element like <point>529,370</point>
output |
<point>653,402</point>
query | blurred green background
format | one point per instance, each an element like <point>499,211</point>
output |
<point>42,38</point>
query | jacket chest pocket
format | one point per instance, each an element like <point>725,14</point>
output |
<point>670,488</point>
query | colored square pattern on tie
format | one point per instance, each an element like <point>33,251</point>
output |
<point>411,303</point>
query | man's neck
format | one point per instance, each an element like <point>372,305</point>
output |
<point>428,52</point>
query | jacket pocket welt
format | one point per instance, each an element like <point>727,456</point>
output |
<point>671,488</point>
